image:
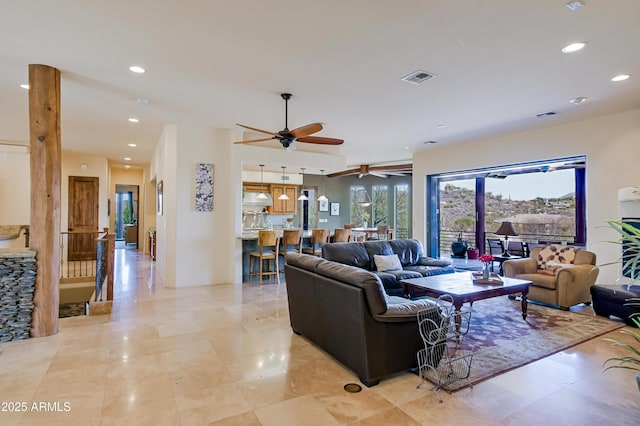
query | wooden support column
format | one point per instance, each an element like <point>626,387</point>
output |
<point>46,163</point>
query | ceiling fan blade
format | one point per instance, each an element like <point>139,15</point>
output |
<point>344,173</point>
<point>307,130</point>
<point>380,175</point>
<point>257,130</point>
<point>254,141</point>
<point>320,140</point>
<point>407,168</point>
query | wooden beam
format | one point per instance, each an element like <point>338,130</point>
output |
<point>44,235</point>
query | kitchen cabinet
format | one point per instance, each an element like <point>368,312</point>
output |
<point>284,206</point>
<point>255,187</point>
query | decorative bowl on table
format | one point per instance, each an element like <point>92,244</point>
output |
<point>494,279</point>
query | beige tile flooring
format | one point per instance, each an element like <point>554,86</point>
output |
<point>226,355</point>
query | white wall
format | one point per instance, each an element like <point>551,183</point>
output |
<point>612,147</point>
<point>15,185</point>
<point>194,248</point>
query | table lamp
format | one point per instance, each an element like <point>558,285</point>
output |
<point>506,229</point>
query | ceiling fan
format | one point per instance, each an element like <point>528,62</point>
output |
<point>379,171</point>
<point>287,137</point>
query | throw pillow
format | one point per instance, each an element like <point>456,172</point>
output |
<point>556,254</point>
<point>387,263</point>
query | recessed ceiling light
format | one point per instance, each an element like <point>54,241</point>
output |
<point>137,69</point>
<point>142,101</point>
<point>429,142</point>
<point>133,145</point>
<point>134,120</point>
<point>24,86</point>
<point>127,166</point>
<point>127,158</point>
<point>440,126</point>
<point>573,47</point>
<point>578,100</point>
<point>620,77</point>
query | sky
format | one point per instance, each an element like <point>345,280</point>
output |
<point>527,186</point>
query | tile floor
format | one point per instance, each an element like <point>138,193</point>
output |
<point>226,355</point>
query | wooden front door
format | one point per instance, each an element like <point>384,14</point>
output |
<point>83,217</point>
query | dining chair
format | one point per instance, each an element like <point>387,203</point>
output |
<point>319,237</point>
<point>341,235</point>
<point>268,248</point>
<point>382,233</point>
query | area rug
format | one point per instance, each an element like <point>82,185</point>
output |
<point>500,340</point>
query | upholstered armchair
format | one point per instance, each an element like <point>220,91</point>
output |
<point>560,275</point>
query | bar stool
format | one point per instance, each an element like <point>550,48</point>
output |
<point>291,241</point>
<point>319,237</point>
<point>268,247</point>
<point>341,235</point>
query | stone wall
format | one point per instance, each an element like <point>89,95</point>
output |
<point>17,284</point>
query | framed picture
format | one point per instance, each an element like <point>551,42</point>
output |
<point>204,187</point>
<point>159,197</point>
<point>323,205</point>
<point>335,209</point>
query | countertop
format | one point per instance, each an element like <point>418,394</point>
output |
<point>253,234</point>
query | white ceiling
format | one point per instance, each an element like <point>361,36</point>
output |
<point>217,63</point>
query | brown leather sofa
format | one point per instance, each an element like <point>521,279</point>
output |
<point>560,275</point>
<point>346,312</point>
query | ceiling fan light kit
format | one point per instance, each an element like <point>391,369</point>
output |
<point>287,137</point>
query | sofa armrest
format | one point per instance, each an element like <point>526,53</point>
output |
<point>516,267</point>
<point>400,309</point>
<point>580,275</point>
<point>430,261</point>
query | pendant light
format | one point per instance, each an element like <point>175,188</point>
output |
<point>302,196</point>
<point>284,195</point>
<point>322,197</point>
<point>261,195</point>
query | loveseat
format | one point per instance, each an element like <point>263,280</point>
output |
<point>345,311</point>
<point>390,260</point>
<point>560,275</point>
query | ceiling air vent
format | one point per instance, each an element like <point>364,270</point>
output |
<point>546,114</point>
<point>418,77</point>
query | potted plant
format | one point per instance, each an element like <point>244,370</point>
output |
<point>459,247</point>
<point>630,236</point>
<point>472,252</point>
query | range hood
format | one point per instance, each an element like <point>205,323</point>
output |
<point>251,199</point>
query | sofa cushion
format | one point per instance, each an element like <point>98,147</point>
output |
<point>358,277</point>
<point>409,251</point>
<point>387,262</point>
<point>353,254</point>
<point>539,280</point>
<point>549,257</point>
<point>381,248</point>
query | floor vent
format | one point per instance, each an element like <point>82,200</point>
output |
<point>418,77</point>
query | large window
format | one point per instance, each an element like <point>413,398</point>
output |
<point>402,210</point>
<point>359,210</point>
<point>545,201</point>
<point>380,204</point>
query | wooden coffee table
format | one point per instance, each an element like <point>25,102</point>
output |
<point>461,288</point>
